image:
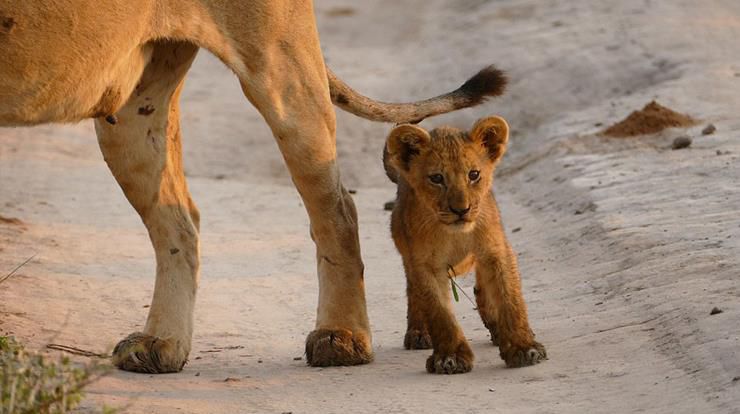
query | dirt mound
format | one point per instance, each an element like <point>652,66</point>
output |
<point>653,118</point>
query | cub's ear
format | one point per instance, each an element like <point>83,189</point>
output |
<point>404,143</point>
<point>493,134</point>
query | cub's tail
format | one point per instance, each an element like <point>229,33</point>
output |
<point>487,83</point>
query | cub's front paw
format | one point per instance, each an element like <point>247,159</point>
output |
<point>417,339</point>
<point>522,356</point>
<point>458,362</point>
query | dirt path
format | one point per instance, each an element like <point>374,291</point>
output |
<point>625,245</point>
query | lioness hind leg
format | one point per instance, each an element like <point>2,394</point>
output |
<point>499,295</point>
<point>143,151</point>
<point>286,80</point>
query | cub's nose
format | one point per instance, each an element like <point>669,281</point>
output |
<point>460,211</point>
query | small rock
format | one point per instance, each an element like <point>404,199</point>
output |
<point>197,374</point>
<point>681,142</point>
<point>297,358</point>
<point>389,205</point>
<point>352,191</point>
<point>491,390</point>
<point>719,152</point>
<point>516,230</point>
<point>715,310</point>
<point>231,379</point>
<point>709,129</point>
<point>341,11</point>
<point>735,379</point>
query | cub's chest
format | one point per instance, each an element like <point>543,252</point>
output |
<point>444,249</point>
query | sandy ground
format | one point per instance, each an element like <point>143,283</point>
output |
<point>625,245</point>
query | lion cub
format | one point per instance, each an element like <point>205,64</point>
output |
<point>445,221</point>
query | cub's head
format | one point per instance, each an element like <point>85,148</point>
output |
<point>450,171</point>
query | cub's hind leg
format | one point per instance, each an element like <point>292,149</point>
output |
<point>142,147</point>
<point>417,333</point>
<point>487,312</point>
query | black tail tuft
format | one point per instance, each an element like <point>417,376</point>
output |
<point>490,81</point>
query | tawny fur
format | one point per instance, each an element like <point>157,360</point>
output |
<point>446,222</point>
<point>487,83</point>
<point>59,75</point>
<point>124,63</point>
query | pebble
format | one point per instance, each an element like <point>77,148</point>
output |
<point>709,129</point>
<point>681,142</point>
<point>715,310</point>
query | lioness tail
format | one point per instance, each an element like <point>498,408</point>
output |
<point>489,82</point>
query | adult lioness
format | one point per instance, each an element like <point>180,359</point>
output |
<point>123,62</point>
<point>445,220</point>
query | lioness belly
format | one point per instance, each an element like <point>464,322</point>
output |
<point>66,60</point>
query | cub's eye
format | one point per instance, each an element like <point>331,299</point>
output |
<point>473,175</point>
<point>436,178</point>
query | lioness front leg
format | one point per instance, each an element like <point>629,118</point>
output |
<point>143,151</point>
<point>452,353</point>
<point>285,78</point>
<point>499,296</point>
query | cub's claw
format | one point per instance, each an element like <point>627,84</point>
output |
<point>516,357</point>
<point>459,362</point>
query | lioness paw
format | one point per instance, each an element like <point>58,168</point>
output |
<point>337,347</point>
<point>516,357</point>
<point>459,362</point>
<point>417,339</point>
<point>139,352</point>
